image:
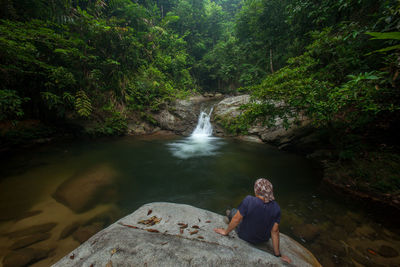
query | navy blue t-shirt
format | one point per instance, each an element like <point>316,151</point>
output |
<point>258,219</point>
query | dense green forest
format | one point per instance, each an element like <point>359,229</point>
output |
<point>335,61</point>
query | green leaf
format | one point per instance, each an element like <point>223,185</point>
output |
<point>384,35</point>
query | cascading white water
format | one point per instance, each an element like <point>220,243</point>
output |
<point>200,143</point>
<point>204,127</point>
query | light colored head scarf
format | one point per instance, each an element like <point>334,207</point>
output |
<point>263,188</point>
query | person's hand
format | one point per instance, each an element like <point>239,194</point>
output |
<point>220,231</point>
<point>286,259</point>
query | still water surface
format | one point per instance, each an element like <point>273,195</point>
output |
<point>213,175</point>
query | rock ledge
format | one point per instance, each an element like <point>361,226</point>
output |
<point>183,237</point>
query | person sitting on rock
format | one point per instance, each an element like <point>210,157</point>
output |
<point>257,218</point>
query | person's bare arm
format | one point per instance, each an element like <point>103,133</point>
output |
<point>275,243</point>
<point>232,225</point>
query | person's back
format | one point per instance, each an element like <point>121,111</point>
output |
<point>258,219</point>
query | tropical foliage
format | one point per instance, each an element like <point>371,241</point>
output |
<point>334,61</point>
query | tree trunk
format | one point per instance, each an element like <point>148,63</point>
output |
<point>270,60</point>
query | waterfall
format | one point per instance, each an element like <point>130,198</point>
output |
<point>204,127</point>
<point>200,143</point>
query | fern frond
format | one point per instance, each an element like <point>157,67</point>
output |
<point>83,105</point>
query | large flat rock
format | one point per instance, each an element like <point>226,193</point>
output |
<point>129,243</point>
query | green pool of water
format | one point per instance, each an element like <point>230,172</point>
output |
<point>213,174</point>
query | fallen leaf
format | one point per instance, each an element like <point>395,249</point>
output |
<point>91,265</point>
<point>72,256</point>
<point>149,212</point>
<point>181,231</point>
<point>152,221</point>
<point>181,224</point>
<point>371,251</point>
<point>208,221</point>
<point>113,251</point>
<point>196,227</point>
<point>130,226</point>
<point>153,231</point>
<point>109,264</point>
<point>200,237</point>
<point>194,232</point>
<point>184,226</point>
<point>164,243</point>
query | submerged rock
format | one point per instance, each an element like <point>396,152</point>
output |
<point>81,192</point>
<point>29,240</point>
<point>69,230</point>
<point>387,252</point>
<point>24,257</point>
<point>35,229</point>
<point>167,234</point>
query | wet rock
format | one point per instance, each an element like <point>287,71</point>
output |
<point>82,191</point>
<point>41,228</point>
<point>24,257</point>
<point>277,134</point>
<point>140,128</point>
<point>85,232</point>
<point>69,229</point>
<point>387,252</point>
<point>230,106</point>
<point>181,115</point>
<point>250,138</point>
<point>29,240</point>
<point>130,244</point>
<point>308,232</point>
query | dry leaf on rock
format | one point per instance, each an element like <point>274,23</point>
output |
<point>152,221</point>
<point>183,225</point>
<point>194,232</point>
<point>130,226</point>
<point>109,264</point>
<point>149,212</point>
<point>208,221</point>
<point>152,231</point>
<point>196,227</point>
<point>113,251</point>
